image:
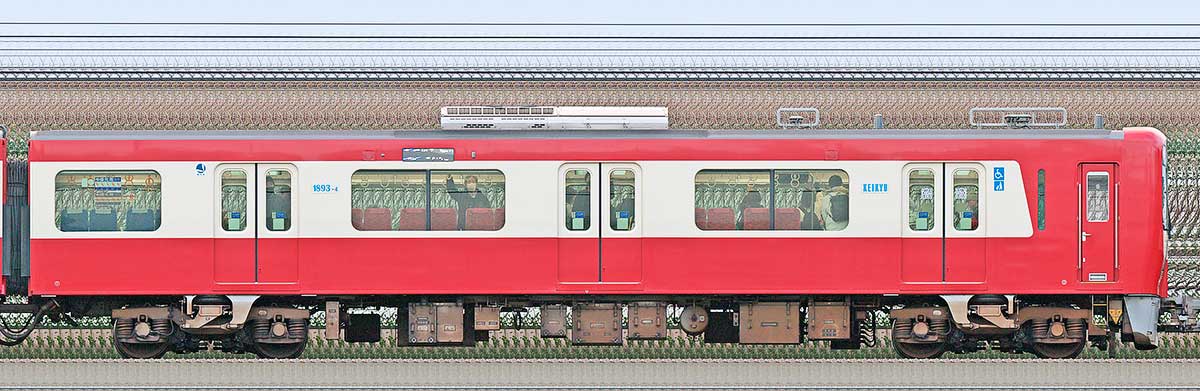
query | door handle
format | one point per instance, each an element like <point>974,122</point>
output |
<point>1084,236</point>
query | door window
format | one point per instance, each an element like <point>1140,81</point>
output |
<point>278,188</point>
<point>233,200</point>
<point>1097,196</point>
<point>922,200</point>
<point>621,199</point>
<point>577,186</point>
<point>966,199</point>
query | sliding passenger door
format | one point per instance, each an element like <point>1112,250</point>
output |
<point>255,241</point>
<point>965,243</point>
<point>234,247</point>
<point>621,232</point>
<point>578,229</point>
<point>921,237</point>
<point>599,233</point>
<point>278,238</point>
<point>943,239</point>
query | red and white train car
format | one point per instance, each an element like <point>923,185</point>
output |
<point>1012,236</point>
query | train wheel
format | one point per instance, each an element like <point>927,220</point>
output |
<point>279,350</point>
<point>919,350</point>
<point>139,350</point>
<point>142,350</point>
<point>1059,350</point>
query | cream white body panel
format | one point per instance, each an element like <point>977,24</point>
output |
<point>532,199</point>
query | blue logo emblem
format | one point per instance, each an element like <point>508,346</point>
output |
<point>201,169</point>
<point>874,188</point>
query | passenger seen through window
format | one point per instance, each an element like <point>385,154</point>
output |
<point>466,196</point>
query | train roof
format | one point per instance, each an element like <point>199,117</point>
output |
<point>591,52</point>
<point>979,134</point>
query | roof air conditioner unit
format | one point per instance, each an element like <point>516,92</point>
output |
<point>554,117</point>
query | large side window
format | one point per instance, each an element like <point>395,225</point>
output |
<point>470,200</point>
<point>781,200</point>
<point>921,202</point>
<point>966,199</point>
<point>811,200</point>
<point>106,201</point>
<point>421,200</point>
<point>389,200</point>
<point>733,200</point>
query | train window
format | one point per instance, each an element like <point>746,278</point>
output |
<point>106,201</point>
<point>966,199</point>
<point>473,199</point>
<point>621,199</point>
<point>922,203</point>
<point>420,200</point>
<point>1097,196</point>
<point>389,200</point>
<point>278,189</point>
<point>233,200</point>
<point>1166,213</point>
<point>1041,203</point>
<point>578,190</point>
<point>811,200</point>
<point>733,200</point>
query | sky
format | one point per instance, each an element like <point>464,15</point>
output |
<point>604,11</point>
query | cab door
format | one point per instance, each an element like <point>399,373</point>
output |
<point>1098,222</point>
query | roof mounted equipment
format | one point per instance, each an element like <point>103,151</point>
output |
<point>1018,117</point>
<point>554,117</point>
<point>797,117</point>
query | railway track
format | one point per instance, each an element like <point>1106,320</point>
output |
<point>238,374</point>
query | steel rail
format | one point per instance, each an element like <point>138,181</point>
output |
<point>596,374</point>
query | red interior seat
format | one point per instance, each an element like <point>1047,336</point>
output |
<point>443,219</point>
<point>356,218</point>
<point>787,218</point>
<point>412,219</point>
<point>377,219</point>
<point>756,219</point>
<point>720,219</point>
<point>701,218</point>
<point>480,219</point>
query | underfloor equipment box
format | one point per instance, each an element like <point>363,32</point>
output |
<point>769,323</point>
